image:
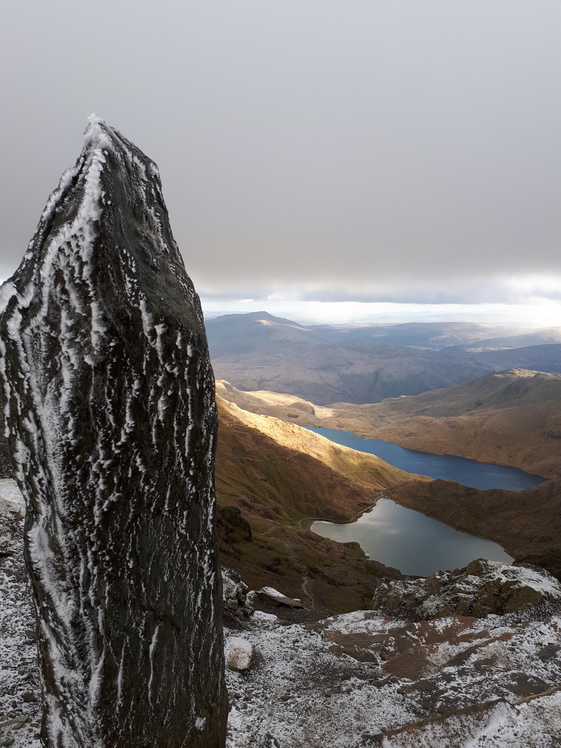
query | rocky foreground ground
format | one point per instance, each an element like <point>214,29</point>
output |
<point>368,678</point>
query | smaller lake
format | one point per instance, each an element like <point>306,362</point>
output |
<point>410,541</point>
<point>480,475</point>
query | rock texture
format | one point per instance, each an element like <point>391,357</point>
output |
<point>108,394</point>
<point>350,681</point>
<point>239,653</point>
<point>480,589</point>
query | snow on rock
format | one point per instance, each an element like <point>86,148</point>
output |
<point>265,619</point>
<point>481,588</point>
<point>273,597</point>
<point>364,680</point>
<point>239,653</point>
<point>350,681</point>
<point>108,395</point>
<point>234,594</point>
<point>20,693</point>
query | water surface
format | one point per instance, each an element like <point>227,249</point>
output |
<point>406,539</point>
<point>410,541</point>
<point>480,475</point>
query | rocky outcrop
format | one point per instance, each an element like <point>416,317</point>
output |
<point>20,693</point>
<point>109,399</point>
<point>479,589</point>
<point>234,594</point>
<point>273,598</point>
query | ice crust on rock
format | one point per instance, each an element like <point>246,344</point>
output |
<point>109,405</point>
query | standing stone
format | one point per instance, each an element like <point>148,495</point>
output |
<point>109,401</point>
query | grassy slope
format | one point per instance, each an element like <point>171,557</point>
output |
<point>525,415</point>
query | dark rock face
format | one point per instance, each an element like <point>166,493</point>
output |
<point>109,401</point>
<point>6,469</point>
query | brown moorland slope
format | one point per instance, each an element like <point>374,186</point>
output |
<point>508,418</point>
<point>271,477</point>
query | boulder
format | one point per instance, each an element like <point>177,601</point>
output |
<point>109,399</point>
<point>234,593</point>
<point>239,653</point>
<point>271,596</point>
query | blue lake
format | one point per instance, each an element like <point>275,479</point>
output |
<point>469,472</point>
<point>408,540</point>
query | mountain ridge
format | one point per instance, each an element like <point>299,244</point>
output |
<point>261,352</point>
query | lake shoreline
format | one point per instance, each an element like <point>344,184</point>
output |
<point>490,475</point>
<point>410,541</point>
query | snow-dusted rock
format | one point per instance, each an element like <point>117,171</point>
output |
<point>363,679</point>
<point>19,679</point>
<point>273,597</point>
<point>479,589</point>
<point>234,594</point>
<point>264,619</point>
<point>109,397</point>
<point>239,653</point>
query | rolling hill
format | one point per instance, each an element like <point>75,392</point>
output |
<point>258,351</point>
<point>434,335</point>
<point>546,357</point>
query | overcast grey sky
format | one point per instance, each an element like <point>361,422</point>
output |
<point>396,150</point>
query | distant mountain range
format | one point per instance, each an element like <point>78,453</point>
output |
<point>535,357</point>
<point>440,335</point>
<point>327,365</point>
<point>259,351</point>
<point>434,335</point>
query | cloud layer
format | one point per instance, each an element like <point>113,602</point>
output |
<point>372,150</point>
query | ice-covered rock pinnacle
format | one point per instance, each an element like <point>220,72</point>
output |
<point>109,404</point>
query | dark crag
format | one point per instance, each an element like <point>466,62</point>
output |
<point>110,406</point>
